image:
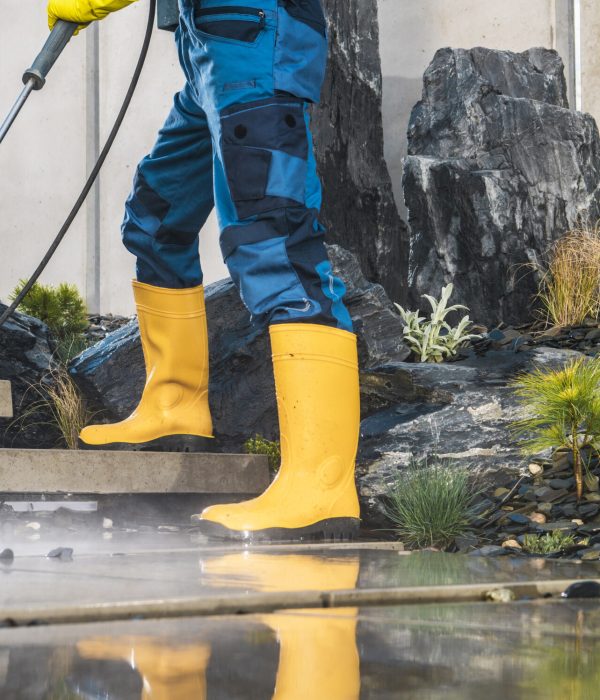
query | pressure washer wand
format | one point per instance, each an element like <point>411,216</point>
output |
<point>35,77</point>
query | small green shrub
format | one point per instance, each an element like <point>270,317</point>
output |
<point>434,340</point>
<point>258,445</point>
<point>547,544</point>
<point>563,411</point>
<point>431,503</point>
<point>62,309</point>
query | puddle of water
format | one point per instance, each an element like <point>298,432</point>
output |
<point>546,650</point>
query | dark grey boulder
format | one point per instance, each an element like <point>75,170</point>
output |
<point>25,359</point>
<point>359,209</point>
<point>460,411</point>
<point>242,396</point>
<point>498,169</point>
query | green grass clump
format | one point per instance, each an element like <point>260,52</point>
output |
<point>62,309</point>
<point>563,411</point>
<point>549,543</point>
<point>431,503</point>
<point>258,445</point>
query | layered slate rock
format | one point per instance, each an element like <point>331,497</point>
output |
<point>499,167</point>
<point>359,210</point>
<point>460,411</point>
<point>25,359</point>
<point>242,395</point>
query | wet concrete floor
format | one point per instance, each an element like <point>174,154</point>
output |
<point>147,567</point>
<point>484,651</point>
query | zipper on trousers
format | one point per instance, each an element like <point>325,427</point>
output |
<point>258,15</point>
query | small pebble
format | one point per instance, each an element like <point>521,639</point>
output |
<point>489,550</point>
<point>561,483</point>
<point>518,518</point>
<point>501,492</point>
<point>588,510</point>
<point>545,508</point>
<point>592,482</point>
<point>33,526</point>
<point>512,543</point>
<point>64,553</point>
<point>591,555</point>
<point>7,556</point>
<point>566,525</point>
<point>107,523</point>
<point>500,595</point>
<point>538,518</point>
<point>577,521</point>
<point>536,469</point>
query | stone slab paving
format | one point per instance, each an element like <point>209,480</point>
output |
<point>6,404</point>
<point>104,472</point>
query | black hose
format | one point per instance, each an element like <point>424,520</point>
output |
<point>93,175</point>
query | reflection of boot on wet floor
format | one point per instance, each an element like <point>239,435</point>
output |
<point>318,657</point>
<point>168,672</point>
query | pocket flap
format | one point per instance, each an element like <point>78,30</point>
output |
<point>247,171</point>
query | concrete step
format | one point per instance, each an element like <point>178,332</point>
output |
<point>6,405</point>
<point>92,472</point>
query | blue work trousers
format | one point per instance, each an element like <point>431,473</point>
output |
<point>238,138</point>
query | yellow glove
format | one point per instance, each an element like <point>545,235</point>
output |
<point>82,11</point>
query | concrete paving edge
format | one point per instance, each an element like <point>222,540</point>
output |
<point>269,602</point>
<point>103,472</point>
<point>6,404</point>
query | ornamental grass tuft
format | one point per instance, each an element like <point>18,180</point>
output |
<point>570,286</point>
<point>562,411</point>
<point>60,403</point>
<point>431,503</point>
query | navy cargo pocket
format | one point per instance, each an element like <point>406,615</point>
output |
<point>309,12</point>
<point>265,154</point>
<point>235,22</point>
<point>247,172</point>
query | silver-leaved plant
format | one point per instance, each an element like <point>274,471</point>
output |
<point>434,340</point>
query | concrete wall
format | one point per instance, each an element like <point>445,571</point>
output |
<point>44,159</point>
<point>412,31</point>
<point>41,160</point>
<point>589,57</point>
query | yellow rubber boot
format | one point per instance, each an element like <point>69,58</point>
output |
<point>169,672</point>
<point>318,657</point>
<point>314,494</point>
<point>175,399</point>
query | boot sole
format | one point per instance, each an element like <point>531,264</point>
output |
<point>170,443</point>
<point>331,530</point>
